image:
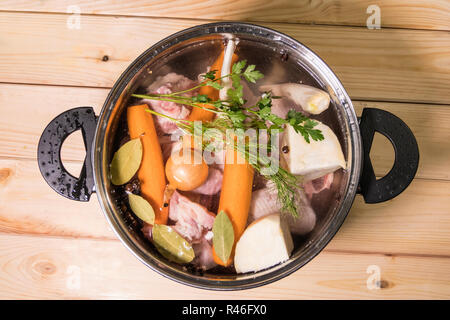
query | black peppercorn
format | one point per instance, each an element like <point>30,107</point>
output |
<point>133,186</point>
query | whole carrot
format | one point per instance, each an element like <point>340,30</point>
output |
<point>198,114</point>
<point>151,172</point>
<point>235,196</point>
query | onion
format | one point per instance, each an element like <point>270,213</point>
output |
<point>186,170</point>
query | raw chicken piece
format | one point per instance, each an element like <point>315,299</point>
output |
<point>280,108</point>
<point>203,255</point>
<point>318,185</point>
<point>306,220</point>
<point>259,181</point>
<point>265,202</point>
<point>215,159</point>
<point>167,84</point>
<point>213,183</point>
<point>168,145</point>
<point>192,219</point>
<point>210,202</point>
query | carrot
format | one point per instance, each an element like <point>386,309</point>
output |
<point>151,172</point>
<point>198,114</point>
<point>235,196</point>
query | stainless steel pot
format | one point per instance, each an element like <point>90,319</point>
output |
<point>281,58</point>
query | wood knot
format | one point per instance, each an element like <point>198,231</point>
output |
<point>45,268</point>
<point>5,173</point>
<point>384,284</point>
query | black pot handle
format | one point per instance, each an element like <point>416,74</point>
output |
<point>49,153</point>
<point>406,155</point>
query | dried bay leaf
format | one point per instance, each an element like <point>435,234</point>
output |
<point>141,208</point>
<point>171,245</point>
<point>223,236</point>
<point>126,162</point>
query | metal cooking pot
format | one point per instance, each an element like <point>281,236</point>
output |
<point>281,59</point>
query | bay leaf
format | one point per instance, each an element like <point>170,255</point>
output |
<point>171,245</point>
<point>223,236</point>
<point>141,208</point>
<point>126,162</point>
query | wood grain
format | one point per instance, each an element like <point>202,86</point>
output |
<point>31,107</point>
<point>386,65</point>
<point>429,124</point>
<point>49,242</point>
<point>394,13</point>
<point>28,205</point>
<point>416,222</point>
<point>27,109</point>
<point>51,268</point>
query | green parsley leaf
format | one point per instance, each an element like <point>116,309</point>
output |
<point>201,98</point>
<point>304,126</point>
<point>236,95</point>
<point>251,75</point>
<point>238,66</point>
<point>213,84</point>
<point>211,75</point>
<point>236,79</point>
<point>237,117</point>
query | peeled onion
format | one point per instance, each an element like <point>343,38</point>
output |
<point>183,172</point>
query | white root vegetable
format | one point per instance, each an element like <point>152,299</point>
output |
<point>226,68</point>
<point>315,159</point>
<point>265,242</point>
<point>311,99</point>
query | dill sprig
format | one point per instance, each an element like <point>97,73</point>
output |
<point>231,114</point>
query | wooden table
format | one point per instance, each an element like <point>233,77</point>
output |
<point>52,248</point>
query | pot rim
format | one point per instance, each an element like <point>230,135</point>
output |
<point>263,277</point>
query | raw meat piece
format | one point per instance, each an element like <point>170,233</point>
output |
<point>318,185</point>
<point>265,202</point>
<point>213,183</point>
<point>167,84</point>
<point>192,219</point>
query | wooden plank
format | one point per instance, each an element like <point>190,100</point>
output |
<point>46,268</point>
<point>416,14</point>
<point>429,123</point>
<point>387,64</point>
<point>29,205</point>
<point>416,222</point>
<point>27,109</point>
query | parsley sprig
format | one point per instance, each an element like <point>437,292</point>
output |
<point>233,114</point>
